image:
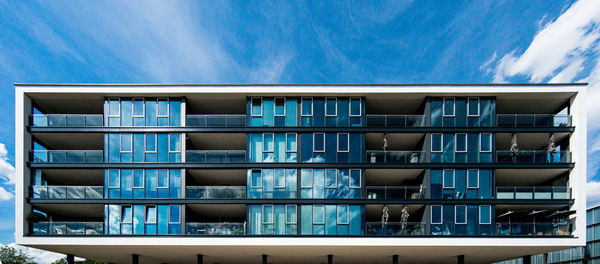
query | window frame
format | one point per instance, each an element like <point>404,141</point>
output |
<point>444,179</point>
<point>456,143</point>
<point>311,179</point>
<point>441,214</point>
<point>118,181</point>
<point>123,210</point>
<point>359,178</point>
<point>336,104</point>
<point>275,186</point>
<point>146,143</point>
<point>441,143</point>
<point>272,214</point>
<point>336,181</point>
<point>146,214</point>
<point>469,114</point>
<point>252,107</point>
<point>296,214</point>
<point>312,106</point>
<point>313,214</point>
<point>337,214</point>
<point>272,143</point>
<point>168,108</point>
<point>444,114</point>
<point>143,179</point>
<point>118,99</point>
<point>314,136</point>
<point>338,142</point>
<point>286,143</point>
<point>179,216</point>
<point>158,181</point>
<point>251,179</point>
<point>468,185</point>
<point>456,214</point>
<point>481,140</point>
<point>359,107</point>
<point>490,214</point>
<point>275,106</point>
<point>143,107</point>
<point>130,143</point>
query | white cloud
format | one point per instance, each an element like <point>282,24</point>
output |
<point>5,195</point>
<point>593,193</point>
<point>7,171</point>
<point>40,256</point>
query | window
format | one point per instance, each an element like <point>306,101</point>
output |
<point>256,181</point>
<point>279,106</point>
<point>331,178</point>
<point>291,144</point>
<point>436,214</point>
<point>472,178</point>
<point>150,143</point>
<point>256,106</point>
<point>150,214</point>
<point>163,179</point>
<point>319,142</point>
<point>318,214</point>
<point>174,214</point>
<point>306,179</point>
<point>485,214</point>
<point>343,214</point>
<point>126,143</point>
<point>485,142</point>
<point>279,181</point>
<point>460,142</point>
<point>355,181</point>
<point>290,214</point>
<point>436,143</point>
<point>473,106</point>
<point>448,178</point>
<point>138,179</point>
<point>449,107</point>
<point>163,107</point>
<point>355,109</point>
<point>307,106</point>
<point>331,106</point>
<point>138,107</point>
<point>267,211</point>
<point>126,214</point>
<point>268,142</point>
<point>114,179</point>
<point>343,142</point>
<point>460,214</point>
<point>174,143</point>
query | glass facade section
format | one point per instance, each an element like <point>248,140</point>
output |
<point>330,183</point>
<point>142,183</point>
<point>462,111</point>
<point>272,219</point>
<point>462,147</point>
<point>272,183</point>
<point>272,147</point>
<point>461,220</point>
<point>142,112</point>
<point>331,219</point>
<point>332,112</point>
<point>142,147</point>
<point>139,219</point>
<point>273,112</point>
<point>462,184</point>
<point>332,147</point>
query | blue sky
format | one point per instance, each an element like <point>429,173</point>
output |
<point>294,42</point>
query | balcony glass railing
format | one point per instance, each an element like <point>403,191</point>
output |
<point>215,192</point>
<point>395,192</point>
<point>533,192</point>
<point>560,228</point>
<point>67,120</point>
<point>395,229</point>
<point>396,120</point>
<point>215,229</point>
<point>533,156</point>
<point>395,156</point>
<point>68,228</point>
<point>276,194</point>
<point>216,156</point>
<point>533,120</point>
<point>67,192</point>
<point>216,120</point>
<point>67,156</point>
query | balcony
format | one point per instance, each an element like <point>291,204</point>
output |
<point>216,156</point>
<point>67,192</point>
<point>67,156</point>
<point>215,229</point>
<point>533,192</point>
<point>395,120</point>
<point>215,192</point>
<point>533,156</point>
<point>216,120</point>
<point>395,229</point>
<point>533,229</point>
<point>67,120</point>
<point>68,228</point>
<point>533,120</point>
<point>395,192</point>
<point>276,194</point>
<point>395,156</point>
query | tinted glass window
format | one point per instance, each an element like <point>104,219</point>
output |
<point>307,106</point>
<point>436,142</point>
<point>256,106</point>
<point>355,107</point>
<point>461,142</point>
<point>436,214</point>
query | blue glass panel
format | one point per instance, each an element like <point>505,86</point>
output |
<point>461,184</point>
<point>342,183</point>
<point>319,112</point>
<point>436,213</point>
<point>150,142</point>
<point>174,213</point>
<point>174,142</point>
<point>485,216</point>
<point>343,112</point>
<point>268,112</point>
<point>279,228</point>
<point>255,148</point>
<point>150,113</point>
<point>486,142</point>
<point>355,106</point>
<point>436,142</point>
<point>472,220</point>
<point>138,219</point>
<point>114,223</point>
<point>318,183</point>
<point>436,184</point>
<point>291,115</point>
<point>461,214</point>
<point>256,104</point>
<point>357,148</point>
<point>461,112</point>
<point>151,182</point>
<point>307,147</point>
<point>267,184</point>
<point>307,106</point>
<point>163,219</point>
<point>291,185</point>
<point>138,147</point>
<point>280,147</point>
<point>279,106</point>
<point>126,113</point>
<point>254,220</point>
<point>163,147</point>
<point>330,222</point>
<point>175,183</point>
<point>343,142</point>
<point>473,148</point>
<point>175,113</point>
<point>448,219</point>
<point>436,112</point>
<point>126,183</point>
<point>330,147</point>
<point>485,184</point>
<point>472,179</point>
<point>448,148</point>
<point>486,115</point>
<point>448,178</point>
<point>114,148</point>
<point>356,219</point>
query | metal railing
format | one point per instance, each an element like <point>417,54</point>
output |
<point>216,156</point>
<point>560,228</point>
<point>68,228</point>
<point>395,229</point>
<point>533,192</point>
<point>396,120</point>
<point>216,120</point>
<point>533,156</point>
<point>395,156</point>
<point>533,120</point>
<point>67,192</point>
<point>215,192</point>
<point>395,192</point>
<point>67,120</point>
<point>68,156</point>
<point>215,229</point>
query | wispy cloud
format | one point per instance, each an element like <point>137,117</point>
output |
<point>593,193</point>
<point>7,170</point>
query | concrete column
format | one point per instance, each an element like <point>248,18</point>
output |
<point>460,259</point>
<point>526,259</point>
<point>135,259</point>
<point>395,259</point>
<point>264,259</point>
<point>200,259</point>
<point>329,259</point>
<point>70,259</point>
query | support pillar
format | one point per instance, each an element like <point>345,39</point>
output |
<point>264,259</point>
<point>329,259</point>
<point>460,259</point>
<point>135,259</point>
<point>200,259</point>
<point>526,259</point>
<point>395,259</point>
<point>70,259</point>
